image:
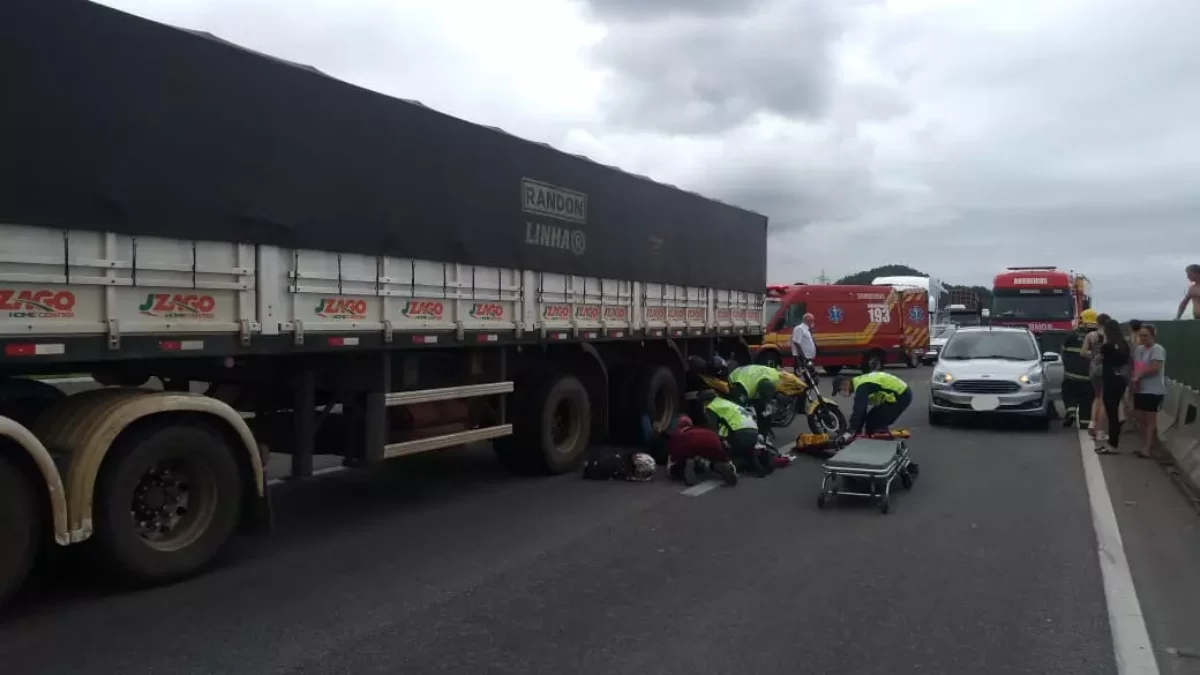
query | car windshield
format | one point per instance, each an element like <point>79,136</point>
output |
<point>1006,345</point>
<point>942,331</point>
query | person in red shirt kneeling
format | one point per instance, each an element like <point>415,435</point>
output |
<point>694,450</point>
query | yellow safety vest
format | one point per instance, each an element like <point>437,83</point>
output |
<point>750,377</point>
<point>733,416</point>
<point>889,384</point>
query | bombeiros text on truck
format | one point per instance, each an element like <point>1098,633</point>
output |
<point>333,288</point>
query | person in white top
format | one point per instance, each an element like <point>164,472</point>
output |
<point>1192,295</point>
<point>804,348</point>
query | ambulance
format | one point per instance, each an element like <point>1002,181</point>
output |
<point>858,327</point>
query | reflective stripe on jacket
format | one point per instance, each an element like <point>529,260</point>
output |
<point>732,416</point>
<point>889,386</point>
<point>751,376</point>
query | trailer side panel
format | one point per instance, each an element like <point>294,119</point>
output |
<point>116,123</point>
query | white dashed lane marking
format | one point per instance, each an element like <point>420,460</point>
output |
<point>1131,641</point>
<point>697,490</point>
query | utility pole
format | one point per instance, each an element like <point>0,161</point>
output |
<point>822,279</point>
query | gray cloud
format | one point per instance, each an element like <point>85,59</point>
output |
<point>638,9</point>
<point>1003,134</point>
<point>710,70</point>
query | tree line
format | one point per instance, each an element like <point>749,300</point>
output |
<point>867,276</point>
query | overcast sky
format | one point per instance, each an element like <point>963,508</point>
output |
<point>956,136</point>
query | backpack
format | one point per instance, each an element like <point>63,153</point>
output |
<point>606,463</point>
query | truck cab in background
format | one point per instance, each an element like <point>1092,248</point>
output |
<point>961,315</point>
<point>1046,300</point>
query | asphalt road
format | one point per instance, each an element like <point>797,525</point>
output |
<point>445,563</point>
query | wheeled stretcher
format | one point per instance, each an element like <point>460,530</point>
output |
<point>868,467</point>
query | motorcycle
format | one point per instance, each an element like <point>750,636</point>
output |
<point>793,394</point>
<point>800,392</point>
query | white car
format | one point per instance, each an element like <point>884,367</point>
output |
<point>938,335</point>
<point>995,370</point>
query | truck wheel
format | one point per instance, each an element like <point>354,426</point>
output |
<point>167,502</point>
<point>832,370</point>
<point>18,528</point>
<point>562,421</point>
<point>554,427</point>
<point>657,395</point>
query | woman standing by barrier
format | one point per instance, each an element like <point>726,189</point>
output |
<point>1091,351</point>
<point>1114,378</point>
<point>1149,385</point>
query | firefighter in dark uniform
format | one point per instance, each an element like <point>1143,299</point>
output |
<point>1077,386</point>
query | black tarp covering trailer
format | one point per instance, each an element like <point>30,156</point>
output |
<point>112,122</point>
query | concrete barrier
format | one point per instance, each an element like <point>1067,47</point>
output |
<point>1179,432</point>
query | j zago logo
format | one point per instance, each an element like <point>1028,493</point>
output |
<point>178,306</point>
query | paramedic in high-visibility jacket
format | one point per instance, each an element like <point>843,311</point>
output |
<point>1077,386</point>
<point>737,427</point>
<point>879,400</point>
<point>755,386</point>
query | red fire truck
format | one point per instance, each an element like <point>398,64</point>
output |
<point>859,327</point>
<point>1044,299</point>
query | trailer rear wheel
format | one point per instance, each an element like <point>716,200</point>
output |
<point>18,528</point>
<point>657,395</point>
<point>168,500</point>
<point>565,426</point>
<point>554,427</point>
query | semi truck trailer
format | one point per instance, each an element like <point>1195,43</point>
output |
<point>308,268</point>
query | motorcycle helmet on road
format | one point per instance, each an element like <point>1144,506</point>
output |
<point>642,467</point>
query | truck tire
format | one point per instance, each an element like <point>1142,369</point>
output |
<point>18,528</point>
<point>832,370</point>
<point>168,500</point>
<point>657,394</point>
<point>554,427</point>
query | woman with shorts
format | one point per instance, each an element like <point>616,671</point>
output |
<point>1092,342</point>
<point>1149,385</point>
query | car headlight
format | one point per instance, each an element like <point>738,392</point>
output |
<point>942,377</point>
<point>1032,377</point>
